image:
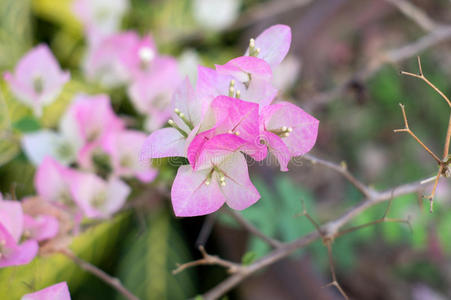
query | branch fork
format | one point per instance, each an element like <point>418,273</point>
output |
<point>444,163</point>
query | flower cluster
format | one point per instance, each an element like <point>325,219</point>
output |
<point>231,111</point>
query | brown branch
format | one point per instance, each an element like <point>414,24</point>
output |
<point>415,14</point>
<point>343,170</point>
<point>112,281</point>
<point>253,230</point>
<point>422,77</point>
<point>407,129</point>
<point>208,259</point>
<point>329,231</point>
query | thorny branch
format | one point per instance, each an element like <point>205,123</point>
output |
<point>444,162</point>
<point>343,170</point>
<point>327,232</point>
<point>208,259</point>
<point>112,281</point>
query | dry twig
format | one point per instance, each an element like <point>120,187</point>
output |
<point>444,162</point>
<point>328,231</point>
<point>208,259</point>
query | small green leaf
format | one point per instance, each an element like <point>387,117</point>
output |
<point>248,258</point>
<point>199,297</point>
<point>27,124</point>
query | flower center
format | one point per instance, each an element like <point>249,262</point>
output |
<point>99,200</point>
<point>146,55</point>
<point>38,84</point>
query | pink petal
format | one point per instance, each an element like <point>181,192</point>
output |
<point>166,142</point>
<point>185,101</point>
<point>239,191</point>
<point>93,123</point>
<point>97,198</point>
<point>152,90</point>
<point>11,217</point>
<point>13,254</point>
<point>278,148</point>
<point>191,196</point>
<point>41,227</point>
<point>214,150</point>
<point>242,66</point>
<point>58,291</point>
<point>305,127</point>
<point>122,147</point>
<point>274,44</point>
<point>51,180</point>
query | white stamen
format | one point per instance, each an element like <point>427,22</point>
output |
<point>223,183</point>
<point>237,94</point>
<point>171,122</point>
<point>181,115</point>
<point>232,82</point>
<point>284,128</point>
<point>290,129</point>
<point>176,110</point>
<point>207,182</point>
<point>237,133</point>
<point>146,54</point>
<point>286,134</point>
<point>251,43</point>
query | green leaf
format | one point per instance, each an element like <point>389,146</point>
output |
<point>27,124</point>
<point>248,258</point>
<point>45,271</point>
<point>147,265</point>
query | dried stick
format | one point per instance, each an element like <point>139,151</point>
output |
<point>112,281</point>
<point>208,259</point>
<point>253,230</point>
<point>444,163</point>
<point>343,170</point>
<point>407,129</point>
<point>415,14</point>
<point>422,77</point>
<point>328,230</point>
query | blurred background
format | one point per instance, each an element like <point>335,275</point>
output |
<point>336,43</point>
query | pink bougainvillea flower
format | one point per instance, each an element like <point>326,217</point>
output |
<point>235,118</point>
<point>41,227</point>
<point>96,197</point>
<point>202,192</point>
<point>187,115</point>
<point>287,131</point>
<point>272,44</point>
<point>151,91</point>
<point>121,147</point>
<point>11,228</point>
<point>103,16</point>
<point>11,217</point>
<point>107,58</point>
<point>89,118</point>
<point>52,182</point>
<point>58,291</point>
<point>13,254</point>
<point>254,76</point>
<point>37,79</point>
